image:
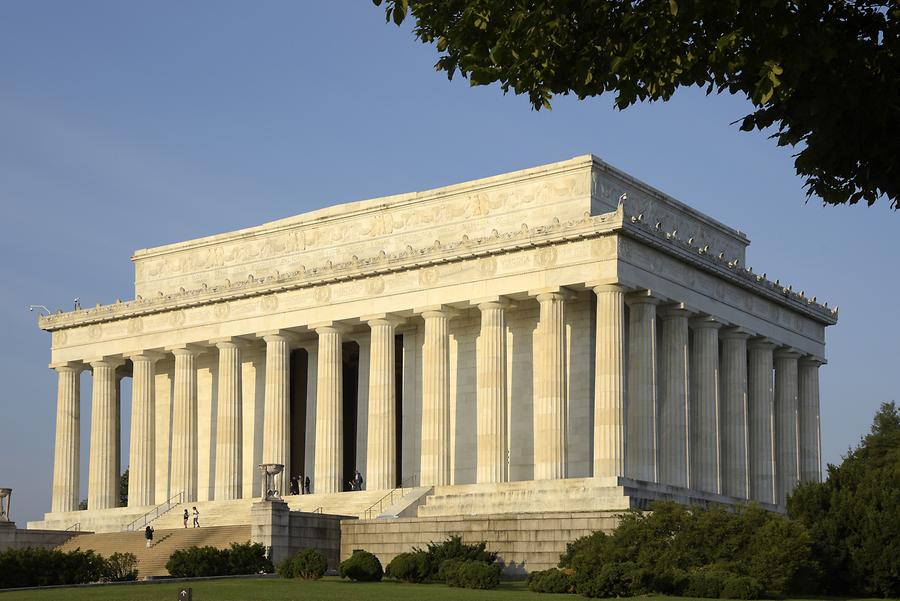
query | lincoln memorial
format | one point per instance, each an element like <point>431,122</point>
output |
<point>558,339</point>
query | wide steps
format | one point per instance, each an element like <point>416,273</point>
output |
<point>152,561</point>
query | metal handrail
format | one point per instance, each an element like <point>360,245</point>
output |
<point>400,492</point>
<point>76,527</point>
<point>155,512</point>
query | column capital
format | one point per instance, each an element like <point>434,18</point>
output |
<point>144,356</point>
<point>600,287</point>
<point>229,342</point>
<point>186,349</point>
<point>66,366</point>
<point>641,297</point>
<point>437,311</point>
<point>382,319</point>
<point>492,302</point>
<point>552,293</point>
<point>735,333</point>
<point>787,352</point>
<point>674,310</point>
<point>705,321</point>
<point>107,361</point>
<point>812,361</point>
<point>761,342</point>
<point>278,335</point>
<point>329,326</point>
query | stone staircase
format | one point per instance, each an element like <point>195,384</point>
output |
<point>152,561</point>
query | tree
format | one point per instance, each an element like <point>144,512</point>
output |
<point>853,516</point>
<point>823,73</point>
<point>123,489</point>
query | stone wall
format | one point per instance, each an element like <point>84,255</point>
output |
<point>15,538</point>
<point>525,542</point>
<point>317,531</point>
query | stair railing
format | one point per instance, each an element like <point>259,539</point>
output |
<point>155,512</point>
<point>392,496</point>
<point>76,527</point>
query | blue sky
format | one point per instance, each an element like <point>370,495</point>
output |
<point>126,125</point>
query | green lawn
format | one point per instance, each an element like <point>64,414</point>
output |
<point>328,589</point>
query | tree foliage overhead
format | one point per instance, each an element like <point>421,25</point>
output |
<point>823,73</point>
<point>854,516</point>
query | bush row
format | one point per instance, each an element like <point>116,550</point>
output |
<point>241,558</point>
<point>452,562</point>
<point>46,567</point>
<point>308,564</point>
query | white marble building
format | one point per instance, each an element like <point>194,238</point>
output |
<point>561,323</point>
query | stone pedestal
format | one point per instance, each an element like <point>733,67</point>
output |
<point>270,522</point>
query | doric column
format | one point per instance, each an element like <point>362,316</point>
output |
<point>66,457</point>
<point>551,407</point>
<point>142,464</point>
<point>103,481</point>
<point>329,411</point>
<point>733,425</point>
<point>435,448</point>
<point>229,429</point>
<point>184,424</point>
<point>705,405</point>
<point>609,385</point>
<point>381,444</point>
<point>277,412</point>
<point>761,392</point>
<point>787,455</point>
<point>810,437</point>
<point>641,446</point>
<point>491,447</point>
<point>674,397</point>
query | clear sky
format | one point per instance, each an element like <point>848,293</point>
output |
<point>125,125</point>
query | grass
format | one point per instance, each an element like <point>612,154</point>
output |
<point>277,589</point>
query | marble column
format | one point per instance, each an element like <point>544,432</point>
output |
<point>705,405</point>
<point>435,448</point>
<point>674,397</point>
<point>103,481</point>
<point>761,392</point>
<point>787,454</point>
<point>551,400</point>
<point>329,411</point>
<point>733,425</point>
<point>277,412</point>
<point>67,453</point>
<point>609,386</point>
<point>490,418</point>
<point>229,428</point>
<point>381,441</point>
<point>642,442</point>
<point>809,429</point>
<point>184,424</point>
<point>142,464</point>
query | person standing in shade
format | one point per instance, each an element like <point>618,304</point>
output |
<point>357,481</point>
<point>196,518</point>
<point>295,485</point>
<point>148,534</point>
<point>306,486</point>
<point>186,516</point>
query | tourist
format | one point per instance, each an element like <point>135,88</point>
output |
<point>295,485</point>
<point>306,486</point>
<point>357,481</point>
<point>148,534</point>
<point>186,516</point>
<point>196,518</point>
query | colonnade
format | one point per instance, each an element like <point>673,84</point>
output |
<point>680,399</point>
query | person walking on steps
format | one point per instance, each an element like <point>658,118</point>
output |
<point>196,518</point>
<point>186,516</point>
<point>148,534</point>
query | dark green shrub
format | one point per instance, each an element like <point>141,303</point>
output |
<point>308,564</point>
<point>362,566</point>
<point>408,567</point>
<point>121,567</point>
<point>550,581</point>
<point>248,558</point>
<point>194,562</point>
<point>449,570</point>
<point>741,587</point>
<point>45,567</point>
<point>610,580</point>
<point>453,548</point>
<point>476,574</point>
<point>707,583</point>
